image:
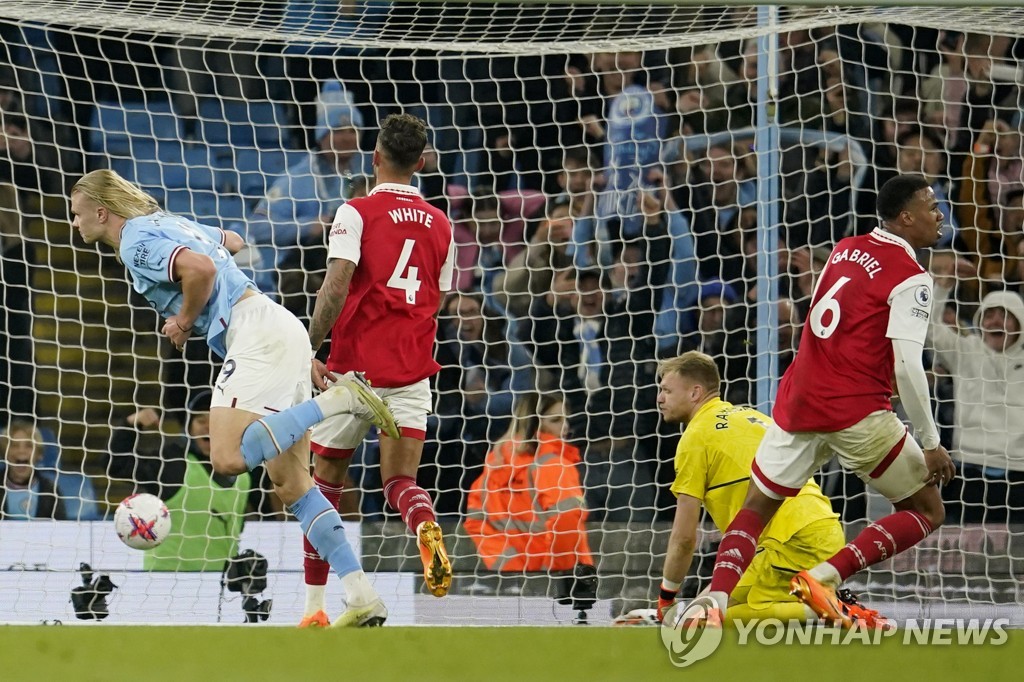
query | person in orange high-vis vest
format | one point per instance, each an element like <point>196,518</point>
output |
<point>526,512</point>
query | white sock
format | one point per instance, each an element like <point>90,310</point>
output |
<point>826,574</point>
<point>315,599</point>
<point>358,590</point>
<point>339,401</point>
<point>809,615</point>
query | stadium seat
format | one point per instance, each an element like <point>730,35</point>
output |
<point>241,125</point>
<point>129,128</point>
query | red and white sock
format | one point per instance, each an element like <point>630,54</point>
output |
<point>735,553</point>
<point>316,569</point>
<point>881,540</point>
<point>409,500</point>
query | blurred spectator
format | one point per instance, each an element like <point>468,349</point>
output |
<point>576,186</point>
<point>636,128</point>
<point>474,390</point>
<point>17,368</point>
<point>300,206</point>
<point>608,376</point>
<point>530,273</point>
<point>526,511</point>
<point>26,492</point>
<point>987,368</point>
<point>489,234</point>
<point>719,227</point>
<point>719,329</point>
<point>944,89</point>
<point>309,62</point>
<point>28,158</point>
<point>991,91</point>
<point>992,171</point>
<point>207,508</point>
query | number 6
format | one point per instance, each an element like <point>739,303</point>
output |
<point>827,304</point>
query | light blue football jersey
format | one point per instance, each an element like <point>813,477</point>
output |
<point>149,245</point>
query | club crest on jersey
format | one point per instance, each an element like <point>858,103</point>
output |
<point>923,295</point>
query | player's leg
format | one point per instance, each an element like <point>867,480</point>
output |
<point>881,453</point>
<point>782,465</point>
<point>399,463</point>
<point>257,378</point>
<point>333,442</point>
<point>321,524</point>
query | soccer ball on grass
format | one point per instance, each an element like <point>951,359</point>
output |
<point>142,521</point>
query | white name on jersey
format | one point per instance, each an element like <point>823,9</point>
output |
<point>411,215</point>
<point>861,258</point>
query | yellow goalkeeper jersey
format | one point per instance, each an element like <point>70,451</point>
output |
<point>713,461</point>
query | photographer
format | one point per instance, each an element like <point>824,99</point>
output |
<point>207,509</point>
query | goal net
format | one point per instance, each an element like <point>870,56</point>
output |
<point>626,182</point>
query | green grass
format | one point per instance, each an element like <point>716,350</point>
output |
<point>187,654</point>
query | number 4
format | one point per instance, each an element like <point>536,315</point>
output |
<point>409,283</point>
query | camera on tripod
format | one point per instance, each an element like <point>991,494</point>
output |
<point>247,573</point>
<point>90,599</point>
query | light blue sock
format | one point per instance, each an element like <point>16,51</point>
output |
<point>268,437</point>
<point>322,525</point>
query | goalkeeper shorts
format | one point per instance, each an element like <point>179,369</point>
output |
<point>766,580</point>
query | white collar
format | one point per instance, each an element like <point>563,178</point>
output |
<point>397,188</point>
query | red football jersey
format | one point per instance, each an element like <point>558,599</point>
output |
<point>872,290</point>
<point>404,256</point>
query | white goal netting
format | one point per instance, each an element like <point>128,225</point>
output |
<point>626,183</point>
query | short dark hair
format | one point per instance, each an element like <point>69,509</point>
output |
<point>402,139</point>
<point>896,193</point>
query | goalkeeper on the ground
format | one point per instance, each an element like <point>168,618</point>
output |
<point>712,467</point>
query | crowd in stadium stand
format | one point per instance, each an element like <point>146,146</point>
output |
<point>605,215</point>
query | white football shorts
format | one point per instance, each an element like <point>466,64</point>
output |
<point>267,367</point>
<point>877,449</point>
<point>339,435</point>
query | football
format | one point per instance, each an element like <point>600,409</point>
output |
<point>142,521</point>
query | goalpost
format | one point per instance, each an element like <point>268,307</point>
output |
<point>709,157</point>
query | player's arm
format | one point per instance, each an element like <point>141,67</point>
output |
<point>196,273</point>
<point>908,326</point>
<point>330,299</point>
<point>233,242</point>
<point>682,543</point>
<point>447,278</point>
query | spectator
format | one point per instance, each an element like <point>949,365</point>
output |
<point>530,273</point>
<point>26,492</point>
<point>474,391</point>
<point>17,368</point>
<point>526,511</point>
<point>490,233</point>
<point>992,173</point>
<point>207,508</point>
<point>607,374</point>
<point>719,230</point>
<point>28,158</point>
<point>987,368</point>
<point>300,206</point>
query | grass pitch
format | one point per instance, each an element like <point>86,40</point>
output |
<point>423,654</point>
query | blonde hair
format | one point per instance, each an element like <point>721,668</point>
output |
<point>20,426</point>
<point>114,193</point>
<point>694,365</point>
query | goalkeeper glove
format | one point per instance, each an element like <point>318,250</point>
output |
<point>666,599</point>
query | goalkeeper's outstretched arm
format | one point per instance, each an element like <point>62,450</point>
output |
<point>682,543</point>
